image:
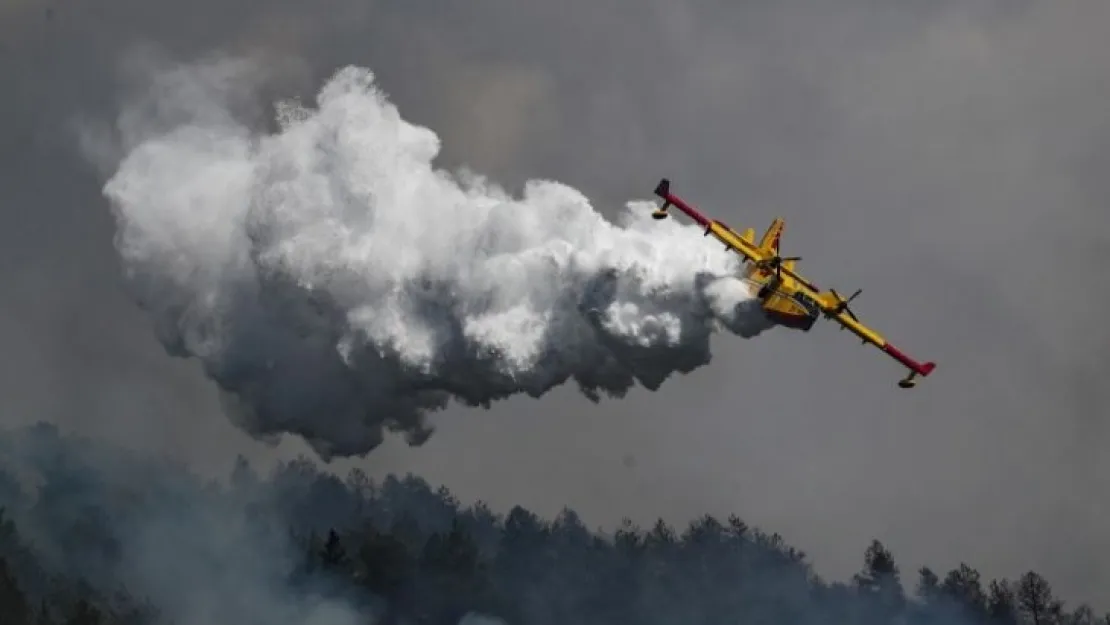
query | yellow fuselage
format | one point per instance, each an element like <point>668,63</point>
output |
<point>784,300</point>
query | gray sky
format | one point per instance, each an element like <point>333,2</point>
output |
<point>948,157</point>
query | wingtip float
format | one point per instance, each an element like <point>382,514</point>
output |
<point>788,298</point>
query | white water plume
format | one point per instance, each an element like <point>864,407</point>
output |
<point>335,283</point>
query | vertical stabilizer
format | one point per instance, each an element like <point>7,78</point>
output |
<point>773,236</point>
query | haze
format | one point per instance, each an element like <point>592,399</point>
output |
<point>946,158</point>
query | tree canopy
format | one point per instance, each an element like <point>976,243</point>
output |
<point>96,535</point>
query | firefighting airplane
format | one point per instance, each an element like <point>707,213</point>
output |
<point>788,298</point>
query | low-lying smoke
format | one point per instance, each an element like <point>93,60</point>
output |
<point>195,552</point>
<point>334,282</point>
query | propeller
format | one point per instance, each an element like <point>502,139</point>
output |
<point>777,261</point>
<point>843,306</point>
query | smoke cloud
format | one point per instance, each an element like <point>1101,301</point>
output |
<point>190,551</point>
<point>336,284</point>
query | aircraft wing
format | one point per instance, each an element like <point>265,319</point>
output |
<point>840,313</point>
<point>742,244</point>
<point>832,305</point>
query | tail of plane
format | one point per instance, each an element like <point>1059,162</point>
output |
<point>769,243</point>
<point>771,238</point>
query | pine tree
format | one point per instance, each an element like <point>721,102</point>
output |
<point>14,608</point>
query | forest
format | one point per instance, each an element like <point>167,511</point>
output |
<point>93,534</point>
